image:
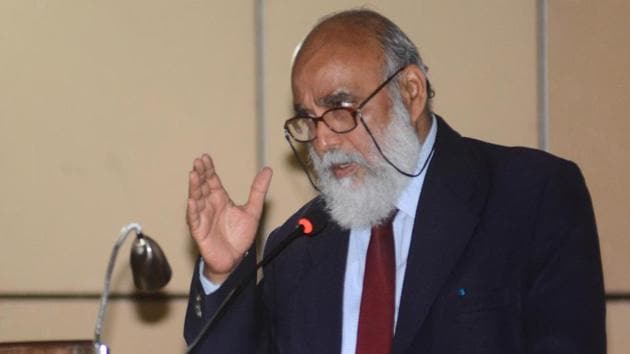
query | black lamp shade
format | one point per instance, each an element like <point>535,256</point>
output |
<point>149,266</point>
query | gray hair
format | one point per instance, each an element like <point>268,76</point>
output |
<point>398,49</point>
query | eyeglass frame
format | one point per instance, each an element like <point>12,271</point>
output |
<point>354,112</point>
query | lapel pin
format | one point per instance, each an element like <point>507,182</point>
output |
<point>461,292</point>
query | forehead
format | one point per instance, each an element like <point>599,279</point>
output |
<point>328,64</point>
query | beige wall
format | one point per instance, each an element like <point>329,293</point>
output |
<point>103,105</point>
<point>589,81</point>
<point>148,327</point>
<point>589,85</point>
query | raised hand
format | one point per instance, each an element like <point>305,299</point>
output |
<point>222,230</point>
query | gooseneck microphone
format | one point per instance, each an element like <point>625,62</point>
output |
<point>310,224</point>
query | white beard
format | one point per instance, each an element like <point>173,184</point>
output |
<point>366,203</point>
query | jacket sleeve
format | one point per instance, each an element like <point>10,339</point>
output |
<point>237,331</point>
<point>564,307</point>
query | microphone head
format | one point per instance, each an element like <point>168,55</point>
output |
<point>313,221</point>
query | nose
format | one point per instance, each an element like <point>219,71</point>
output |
<point>325,138</point>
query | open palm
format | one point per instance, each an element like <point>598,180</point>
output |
<point>222,230</point>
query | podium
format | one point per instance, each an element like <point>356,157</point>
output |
<point>48,347</point>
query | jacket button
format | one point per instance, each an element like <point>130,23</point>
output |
<point>197,306</point>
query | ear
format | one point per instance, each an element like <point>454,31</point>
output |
<point>413,89</point>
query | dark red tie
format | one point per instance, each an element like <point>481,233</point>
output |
<point>376,319</point>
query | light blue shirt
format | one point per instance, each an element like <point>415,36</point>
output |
<point>407,205</point>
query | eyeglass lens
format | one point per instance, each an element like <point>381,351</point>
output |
<point>339,120</point>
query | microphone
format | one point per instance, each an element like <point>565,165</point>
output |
<point>312,222</point>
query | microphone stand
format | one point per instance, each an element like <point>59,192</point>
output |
<point>299,231</point>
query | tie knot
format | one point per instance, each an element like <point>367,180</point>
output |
<point>385,228</point>
<point>387,222</point>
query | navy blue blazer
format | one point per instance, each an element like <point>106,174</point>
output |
<point>504,258</point>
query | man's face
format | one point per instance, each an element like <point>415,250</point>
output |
<point>360,188</point>
<point>331,74</point>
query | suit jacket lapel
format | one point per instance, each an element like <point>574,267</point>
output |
<point>453,194</point>
<point>323,299</point>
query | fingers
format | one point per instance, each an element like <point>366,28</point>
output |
<point>194,185</point>
<point>192,215</point>
<point>203,179</point>
<point>211,178</point>
<point>258,191</point>
<point>198,190</point>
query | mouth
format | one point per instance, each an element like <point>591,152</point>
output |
<point>343,170</point>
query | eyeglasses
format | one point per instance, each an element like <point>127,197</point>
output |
<point>340,120</point>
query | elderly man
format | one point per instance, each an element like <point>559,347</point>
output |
<point>436,243</point>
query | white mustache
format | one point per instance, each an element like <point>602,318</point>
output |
<point>338,157</point>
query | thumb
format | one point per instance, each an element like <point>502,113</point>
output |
<point>258,192</point>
